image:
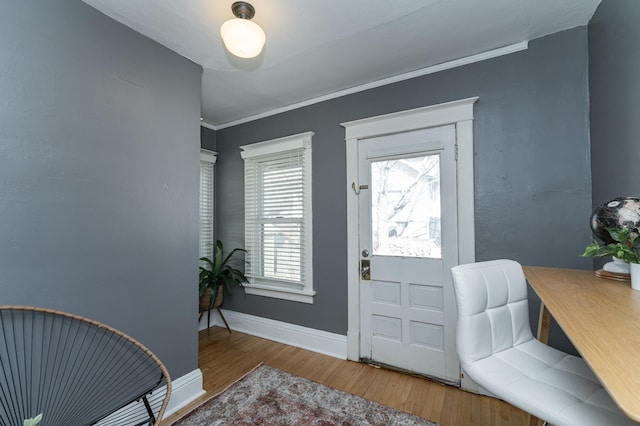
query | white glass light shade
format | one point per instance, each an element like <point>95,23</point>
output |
<point>243,37</point>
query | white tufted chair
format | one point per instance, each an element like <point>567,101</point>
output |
<point>498,351</point>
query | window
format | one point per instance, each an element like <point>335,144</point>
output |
<point>207,161</point>
<point>277,186</point>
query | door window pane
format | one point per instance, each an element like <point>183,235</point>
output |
<point>405,207</point>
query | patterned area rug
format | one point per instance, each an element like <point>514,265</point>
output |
<point>268,396</point>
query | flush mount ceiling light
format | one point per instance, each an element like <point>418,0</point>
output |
<point>241,36</point>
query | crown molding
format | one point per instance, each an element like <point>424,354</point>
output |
<point>506,50</point>
<point>207,125</point>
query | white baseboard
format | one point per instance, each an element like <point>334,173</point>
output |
<point>184,390</point>
<point>353,345</point>
<point>202,325</point>
<point>323,342</point>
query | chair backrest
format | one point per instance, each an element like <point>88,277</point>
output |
<point>74,371</point>
<point>493,312</point>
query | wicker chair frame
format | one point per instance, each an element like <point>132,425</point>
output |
<point>76,371</point>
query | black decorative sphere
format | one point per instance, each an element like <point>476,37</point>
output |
<point>623,212</point>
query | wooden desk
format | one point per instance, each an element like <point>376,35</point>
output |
<point>602,319</point>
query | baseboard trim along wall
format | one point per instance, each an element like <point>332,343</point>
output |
<point>184,390</point>
<point>323,342</point>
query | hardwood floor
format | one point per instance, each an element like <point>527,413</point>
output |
<point>224,357</point>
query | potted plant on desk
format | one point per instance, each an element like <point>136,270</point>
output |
<point>217,276</point>
<point>626,247</point>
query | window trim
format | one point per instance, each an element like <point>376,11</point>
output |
<point>208,156</point>
<point>266,287</point>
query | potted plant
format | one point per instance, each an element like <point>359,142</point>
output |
<point>626,247</point>
<point>217,275</point>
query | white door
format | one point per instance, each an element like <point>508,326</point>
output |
<point>408,243</point>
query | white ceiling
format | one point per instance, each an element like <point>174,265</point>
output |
<point>318,47</point>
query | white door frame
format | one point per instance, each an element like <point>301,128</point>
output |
<point>459,113</point>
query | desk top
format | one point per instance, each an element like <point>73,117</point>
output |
<point>602,319</point>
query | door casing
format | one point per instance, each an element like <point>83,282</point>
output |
<point>458,113</point>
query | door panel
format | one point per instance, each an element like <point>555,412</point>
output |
<point>408,225</point>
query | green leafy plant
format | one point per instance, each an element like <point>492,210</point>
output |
<point>217,273</point>
<point>626,246</point>
<point>34,421</point>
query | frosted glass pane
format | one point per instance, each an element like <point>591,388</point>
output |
<point>405,207</point>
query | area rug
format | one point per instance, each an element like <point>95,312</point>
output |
<point>268,396</point>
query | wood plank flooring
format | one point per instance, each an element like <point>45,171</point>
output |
<point>224,357</point>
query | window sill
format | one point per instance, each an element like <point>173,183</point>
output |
<point>280,293</point>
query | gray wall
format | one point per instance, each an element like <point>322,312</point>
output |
<point>99,145</point>
<point>614,84</point>
<point>208,138</point>
<point>532,171</point>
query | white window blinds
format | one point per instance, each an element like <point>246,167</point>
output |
<point>278,213</point>
<point>207,161</point>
